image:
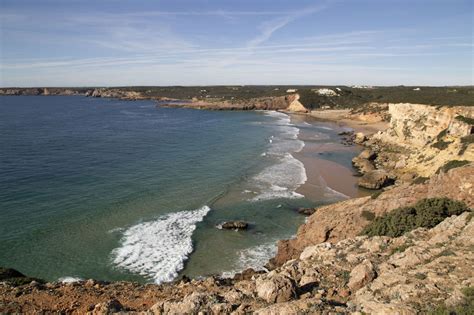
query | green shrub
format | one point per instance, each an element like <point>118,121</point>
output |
<point>465,142</point>
<point>451,164</point>
<point>466,307</point>
<point>376,195</point>
<point>369,216</point>
<point>467,120</point>
<point>425,213</point>
<point>441,145</point>
<point>420,180</point>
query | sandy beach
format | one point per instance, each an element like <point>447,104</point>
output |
<point>327,177</point>
<point>367,125</point>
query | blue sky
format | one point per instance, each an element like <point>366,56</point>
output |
<point>139,42</point>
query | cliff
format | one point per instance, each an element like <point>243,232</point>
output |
<point>421,138</point>
<point>288,102</point>
<point>345,219</point>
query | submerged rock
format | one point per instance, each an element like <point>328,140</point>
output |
<point>306,211</point>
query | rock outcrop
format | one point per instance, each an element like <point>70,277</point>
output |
<point>235,225</point>
<point>346,219</point>
<point>423,138</point>
<point>287,103</point>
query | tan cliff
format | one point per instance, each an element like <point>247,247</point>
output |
<point>344,219</point>
<point>419,141</point>
<point>288,102</point>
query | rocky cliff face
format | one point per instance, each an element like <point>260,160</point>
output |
<point>423,138</point>
<point>289,102</point>
<point>345,219</point>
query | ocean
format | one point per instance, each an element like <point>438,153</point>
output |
<point>127,190</point>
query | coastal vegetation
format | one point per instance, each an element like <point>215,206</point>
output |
<point>450,165</point>
<point>465,307</point>
<point>310,95</point>
<point>426,213</point>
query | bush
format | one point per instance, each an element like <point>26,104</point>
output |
<point>466,120</point>
<point>369,216</point>
<point>466,306</point>
<point>425,213</point>
<point>465,142</point>
<point>451,164</point>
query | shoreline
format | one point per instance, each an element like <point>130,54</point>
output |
<point>326,178</point>
<point>342,118</point>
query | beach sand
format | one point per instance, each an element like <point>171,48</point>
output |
<point>325,176</point>
<point>342,118</point>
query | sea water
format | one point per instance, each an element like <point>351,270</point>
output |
<point>128,190</point>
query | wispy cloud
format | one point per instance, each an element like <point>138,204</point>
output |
<point>269,27</point>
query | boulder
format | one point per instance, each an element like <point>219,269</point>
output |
<point>361,275</point>
<point>375,179</point>
<point>235,225</point>
<point>360,138</point>
<point>362,165</point>
<point>275,288</point>
<point>109,307</point>
<point>306,211</point>
<point>368,155</point>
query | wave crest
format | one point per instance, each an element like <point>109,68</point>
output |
<point>159,248</point>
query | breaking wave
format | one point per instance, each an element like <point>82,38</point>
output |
<point>281,179</point>
<point>158,249</point>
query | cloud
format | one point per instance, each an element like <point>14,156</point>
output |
<point>269,27</point>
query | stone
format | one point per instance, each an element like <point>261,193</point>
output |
<point>109,307</point>
<point>368,155</point>
<point>275,288</point>
<point>363,165</point>
<point>360,138</point>
<point>235,225</point>
<point>189,305</point>
<point>306,211</point>
<point>375,179</point>
<point>361,275</point>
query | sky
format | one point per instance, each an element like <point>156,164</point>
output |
<point>223,42</point>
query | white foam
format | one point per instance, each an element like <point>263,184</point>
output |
<point>158,249</point>
<point>333,192</point>
<point>254,257</point>
<point>323,127</point>
<point>281,179</point>
<point>69,279</point>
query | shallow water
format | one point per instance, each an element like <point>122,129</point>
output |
<point>119,190</point>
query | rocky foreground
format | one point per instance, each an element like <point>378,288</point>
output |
<point>418,271</point>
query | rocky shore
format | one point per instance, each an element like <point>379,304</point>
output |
<point>422,166</point>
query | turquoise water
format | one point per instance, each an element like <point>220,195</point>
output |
<point>119,190</point>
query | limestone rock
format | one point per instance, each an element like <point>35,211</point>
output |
<point>235,225</point>
<point>361,275</point>
<point>306,211</point>
<point>109,307</point>
<point>363,165</point>
<point>275,288</point>
<point>360,138</point>
<point>375,179</point>
<point>368,154</point>
<point>344,219</point>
